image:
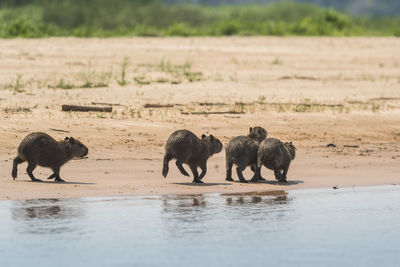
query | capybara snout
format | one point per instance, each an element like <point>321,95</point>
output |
<point>78,150</point>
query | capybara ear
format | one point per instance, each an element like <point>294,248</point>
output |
<point>251,129</point>
<point>66,138</point>
<point>203,136</point>
<point>71,140</point>
<point>211,138</point>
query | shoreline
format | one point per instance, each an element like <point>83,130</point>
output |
<point>126,177</point>
<point>259,193</point>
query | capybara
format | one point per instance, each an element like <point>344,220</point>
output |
<point>41,149</point>
<point>276,156</point>
<point>242,151</point>
<point>186,147</point>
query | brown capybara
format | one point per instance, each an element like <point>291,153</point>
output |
<point>242,151</point>
<point>41,149</point>
<point>186,147</point>
<point>276,156</point>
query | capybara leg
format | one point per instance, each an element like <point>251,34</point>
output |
<point>283,177</point>
<point>278,174</point>
<point>203,168</point>
<point>29,170</point>
<point>256,175</point>
<point>229,171</point>
<point>165,169</point>
<point>181,169</point>
<point>57,175</point>
<point>16,161</point>
<point>58,179</point>
<point>239,170</point>
<point>195,174</point>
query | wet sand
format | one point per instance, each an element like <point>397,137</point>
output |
<point>313,91</point>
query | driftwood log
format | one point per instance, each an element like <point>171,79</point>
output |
<point>85,108</point>
<point>211,112</point>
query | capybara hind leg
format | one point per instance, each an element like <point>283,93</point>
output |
<point>16,161</point>
<point>283,177</point>
<point>239,171</point>
<point>182,159</point>
<point>181,169</point>
<point>256,176</point>
<point>29,170</point>
<point>278,174</point>
<point>229,171</point>
<point>165,169</point>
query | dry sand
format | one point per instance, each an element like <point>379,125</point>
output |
<point>313,91</point>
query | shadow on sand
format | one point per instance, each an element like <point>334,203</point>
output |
<point>274,182</point>
<point>53,182</point>
<point>205,184</point>
<point>288,183</point>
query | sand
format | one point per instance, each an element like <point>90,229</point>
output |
<point>312,91</point>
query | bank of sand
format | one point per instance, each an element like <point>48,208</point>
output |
<point>313,91</point>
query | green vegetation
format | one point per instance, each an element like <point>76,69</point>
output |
<point>102,18</point>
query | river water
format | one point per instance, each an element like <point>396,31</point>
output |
<point>345,227</point>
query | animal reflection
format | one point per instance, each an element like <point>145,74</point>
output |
<point>46,215</point>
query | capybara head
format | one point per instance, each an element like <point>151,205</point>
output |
<point>257,133</point>
<point>76,148</point>
<point>215,143</point>
<point>292,149</point>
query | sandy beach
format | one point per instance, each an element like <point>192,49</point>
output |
<point>312,91</point>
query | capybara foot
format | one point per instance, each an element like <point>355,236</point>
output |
<point>185,173</point>
<point>229,179</point>
<point>197,182</point>
<point>59,180</point>
<point>51,176</point>
<point>243,181</point>
<point>261,179</point>
<point>254,180</point>
<point>36,180</point>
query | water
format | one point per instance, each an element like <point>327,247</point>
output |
<point>346,227</point>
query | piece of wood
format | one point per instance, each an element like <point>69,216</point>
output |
<point>85,108</point>
<point>352,146</point>
<point>158,105</point>
<point>58,130</point>
<point>211,104</point>
<point>211,112</point>
<point>105,104</point>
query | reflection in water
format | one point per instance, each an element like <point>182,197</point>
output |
<point>46,215</point>
<point>187,213</point>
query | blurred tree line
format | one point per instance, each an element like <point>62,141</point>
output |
<point>103,18</point>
